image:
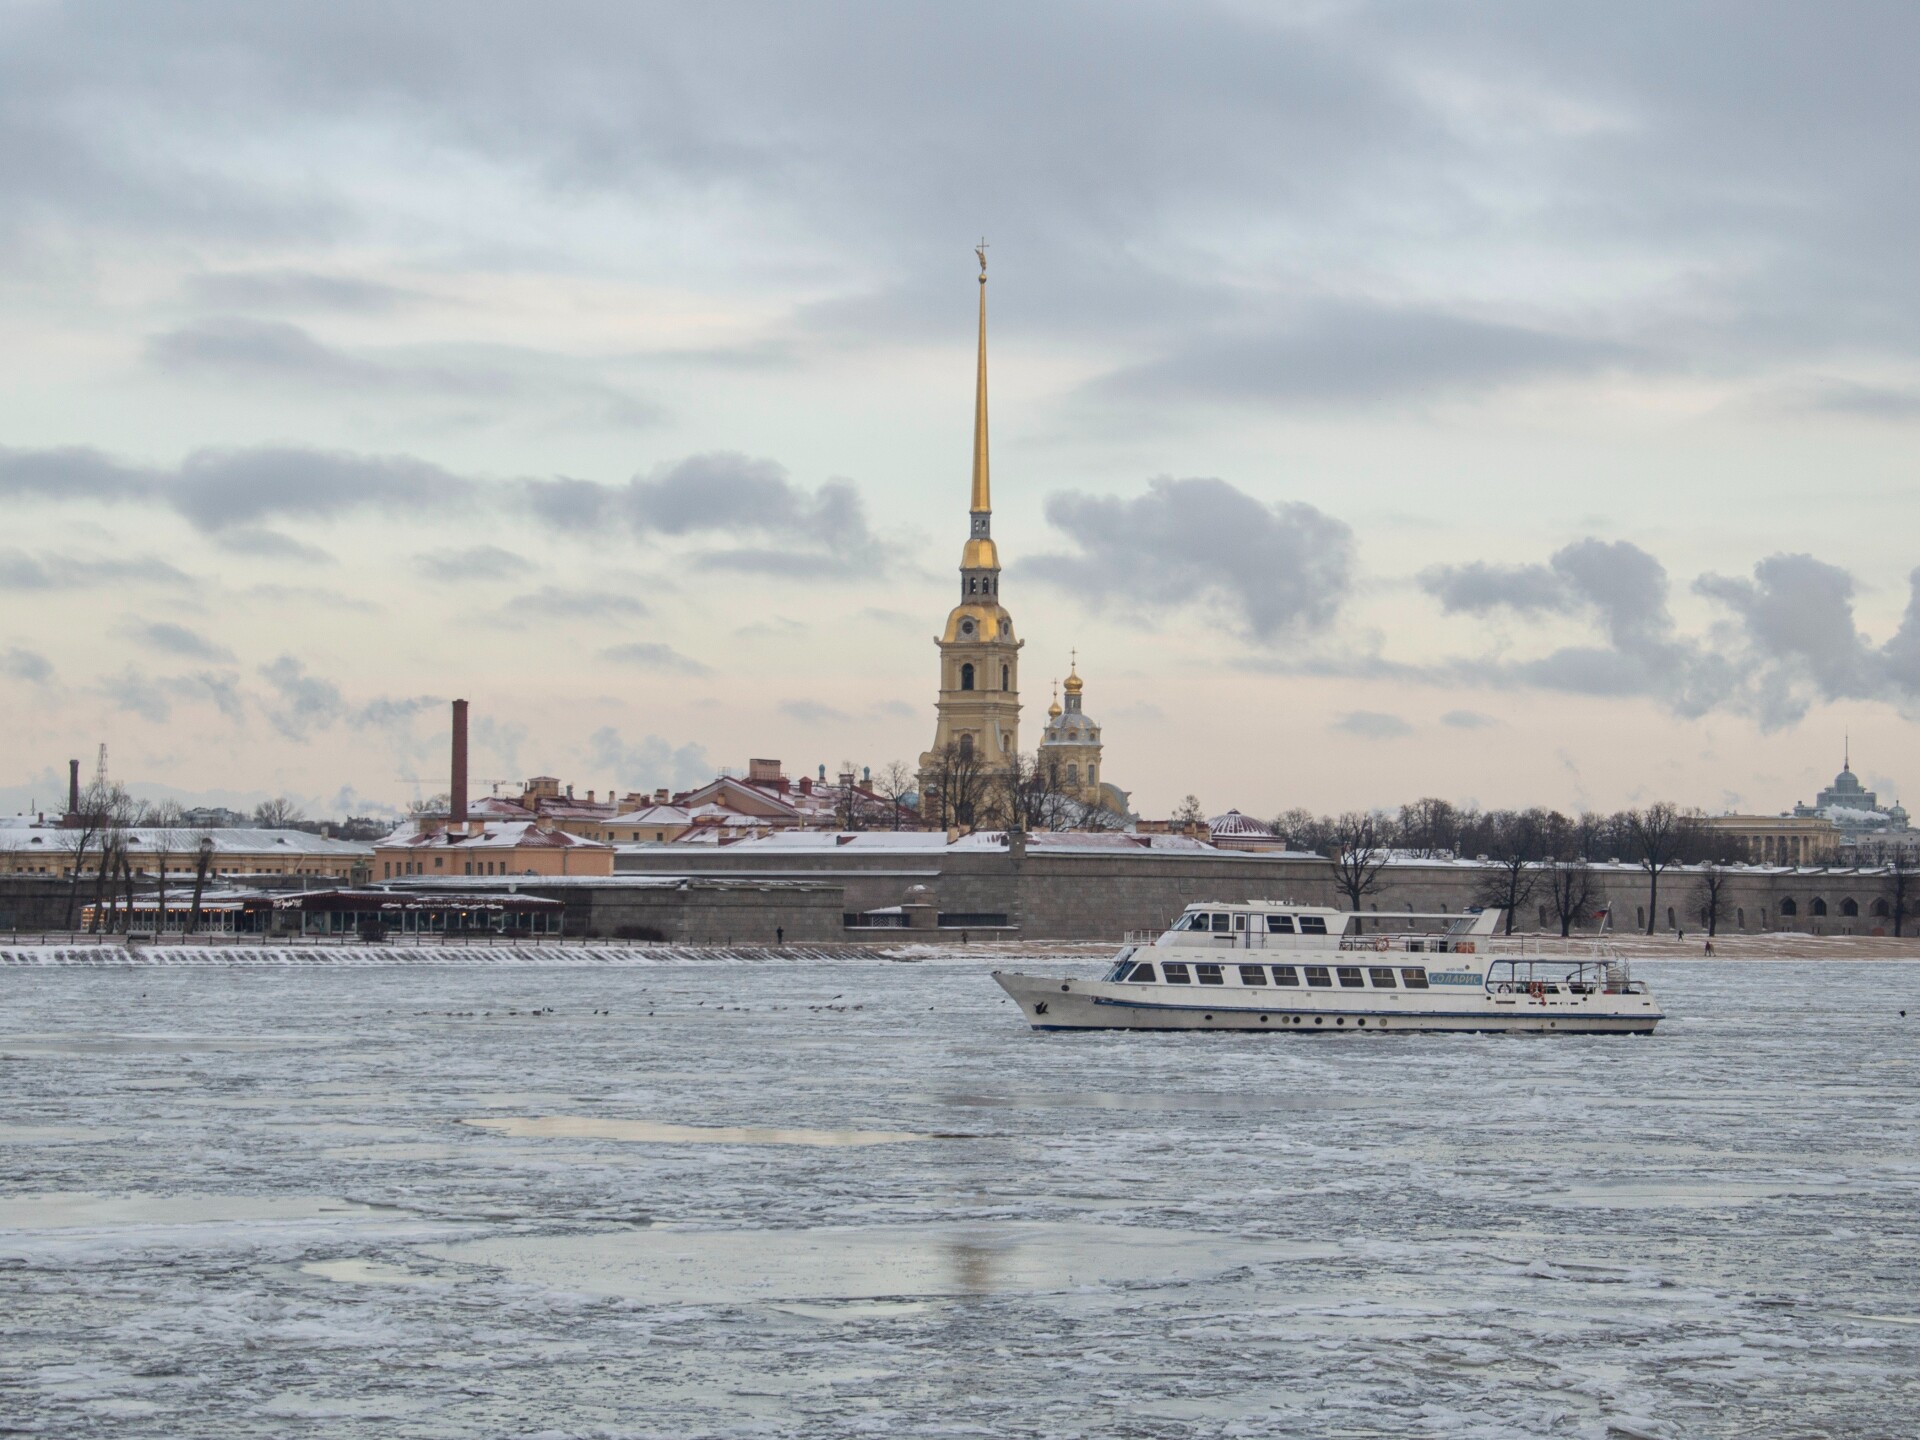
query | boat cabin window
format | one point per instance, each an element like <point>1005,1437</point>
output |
<point>1177,973</point>
<point>1414,977</point>
<point>1222,922</point>
<point>1285,975</point>
<point>1317,975</point>
<point>1143,971</point>
<point>1381,977</point>
<point>1279,924</point>
<point>1351,979</point>
<point>1313,924</point>
<point>1252,975</point>
<point>1239,922</point>
<point>1208,974</point>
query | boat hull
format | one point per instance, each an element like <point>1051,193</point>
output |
<point>1065,1003</point>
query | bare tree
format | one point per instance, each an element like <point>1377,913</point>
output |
<point>167,842</point>
<point>1427,827</point>
<point>1302,829</point>
<point>1662,835</point>
<point>1570,883</point>
<point>1031,796</point>
<point>278,813</point>
<point>895,782</point>
<point>958,782</point>
<point>1903,879</point>
<point>203,859</point>
<point>1515,844</point>
<point>1356,843</point>
<point>1189,813</point>
<point>1710,889</point>
<point>433,805</point>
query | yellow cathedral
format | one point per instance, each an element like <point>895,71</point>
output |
<point>978,713</point>
<point>979,706</point>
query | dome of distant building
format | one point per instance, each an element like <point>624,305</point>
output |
<point>1234,823</point>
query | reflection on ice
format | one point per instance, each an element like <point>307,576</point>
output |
<point>721,1267</point>
<point>77,1210</point>
<point>608,1127</point>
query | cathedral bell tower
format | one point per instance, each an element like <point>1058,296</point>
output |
<point>979,705</point>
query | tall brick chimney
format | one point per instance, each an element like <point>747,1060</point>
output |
<point>457,795</point>
<point>73,787</point>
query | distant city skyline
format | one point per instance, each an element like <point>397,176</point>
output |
<point>1471,401</point>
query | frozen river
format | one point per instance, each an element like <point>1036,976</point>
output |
<point>861,1198</point>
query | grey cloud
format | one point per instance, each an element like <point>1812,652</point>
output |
<point>71,473</point>
<point>1357,353</point>
<point>1194,163</point>
<point>220,489</point>
<point>895,710</point>
<point>649,762</point>
<point>812,712</point>
<point>174,639</point>
<point>1792,638</point>
<point>476,562</point>
<point>822,532</point>
<point>303,703</point>
<point>259,543</point>
<point>1897,404</point>
<point>152,697</point>
<point>28,665</point>
<point>1373,725</point>
<point>257,349</point>
<point>555,602</point>
<point>647,655</point>
<point>47,571</point>
<point>295,290</point>
<point>1467,720</point>
<point>243,349</point>
<point>388,712</point>
<point>1477,587</point>
<point>1276,569</point>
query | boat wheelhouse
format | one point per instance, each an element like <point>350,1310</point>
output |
<point>1263,965</point>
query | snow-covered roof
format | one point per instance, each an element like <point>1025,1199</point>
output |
<point>502,835</point>
<point>185,840</point>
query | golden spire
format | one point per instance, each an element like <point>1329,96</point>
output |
<point>982,500</point>
<point>1054,709</point>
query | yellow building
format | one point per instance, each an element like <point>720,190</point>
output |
<point>1070,750</point>
<point>478,847</point>
<point>979,705</point>
<point>1776,839</point>
<point>174,852</point>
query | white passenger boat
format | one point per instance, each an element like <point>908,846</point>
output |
<point>1271,966</point>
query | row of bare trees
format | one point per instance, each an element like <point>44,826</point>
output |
<point>1024,792</point>
<point>101,832</point>
<point>1529,853</point>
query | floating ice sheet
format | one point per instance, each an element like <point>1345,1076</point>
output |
<point>916,1262</point>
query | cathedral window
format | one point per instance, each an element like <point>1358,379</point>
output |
<point>966,744</point>
<point>973,586</point>
<point>1073,774</point>
<point>1092,773</point>
<point>1006,682</point>
<point>966,677</point>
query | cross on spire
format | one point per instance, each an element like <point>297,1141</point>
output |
<point>981,251</point>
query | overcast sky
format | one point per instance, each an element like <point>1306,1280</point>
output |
<point>1510,402</point>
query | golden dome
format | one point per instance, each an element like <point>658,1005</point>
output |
<point>1053,710</point>
<point>980,554</point>
<point>975,621</point>
<point>1074,683</point>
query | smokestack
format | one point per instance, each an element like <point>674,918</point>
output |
<point>73,787</point>
<point>457,810</point>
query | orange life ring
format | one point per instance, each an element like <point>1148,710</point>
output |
<point>1537,991</point>
<point>1381,943</point>
<point>1465,947</point>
